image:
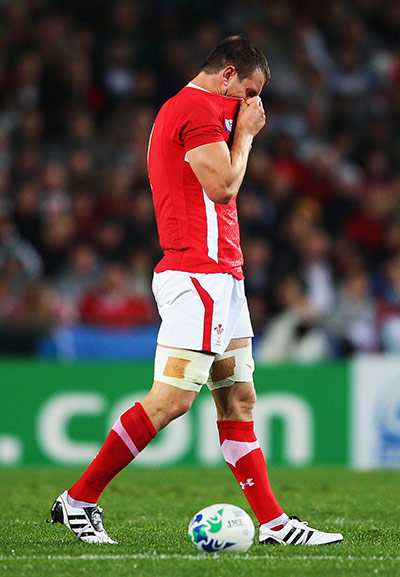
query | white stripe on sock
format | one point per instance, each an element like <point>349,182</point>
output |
<point>79,504</point>
<point>121,431</point>
<point>281,520</point>
<point>235,450</point>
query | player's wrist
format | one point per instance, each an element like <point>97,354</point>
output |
<point>242,129</point>
<point>244,136</point>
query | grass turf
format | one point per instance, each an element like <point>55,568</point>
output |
<point>147,512</point>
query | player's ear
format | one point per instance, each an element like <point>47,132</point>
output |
<point>227,73</point>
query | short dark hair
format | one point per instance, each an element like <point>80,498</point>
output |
<point>239,52</point>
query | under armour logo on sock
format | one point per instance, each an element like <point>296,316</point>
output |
<point>248,483</point>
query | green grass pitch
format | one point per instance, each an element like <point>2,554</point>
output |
<point>147,512</point>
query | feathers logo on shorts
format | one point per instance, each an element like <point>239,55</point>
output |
<point>219,330</point>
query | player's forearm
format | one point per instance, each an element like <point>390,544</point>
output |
<point>250,120</point>
<point>231,177</point>
<point>239,157</point>
<point>219,170</point>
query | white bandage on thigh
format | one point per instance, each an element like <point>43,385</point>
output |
<point>235,366</point>
<point>187,370</point>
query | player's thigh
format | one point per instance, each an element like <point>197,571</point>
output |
<point>238,343</point>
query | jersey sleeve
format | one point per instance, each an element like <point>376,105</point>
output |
<point>201,124</point>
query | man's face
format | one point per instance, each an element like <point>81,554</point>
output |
<point>246,88</point>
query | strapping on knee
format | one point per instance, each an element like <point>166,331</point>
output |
<point>234,366</point>
<point>187,370</point>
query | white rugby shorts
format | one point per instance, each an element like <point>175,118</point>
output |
<point>199,311</point>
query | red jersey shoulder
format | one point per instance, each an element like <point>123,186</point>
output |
<point>190,100</point>
<point>197,107</point>
<point>201,104</point>
<point>203,117</point>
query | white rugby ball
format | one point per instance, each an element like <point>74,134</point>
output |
<point>221,528</point>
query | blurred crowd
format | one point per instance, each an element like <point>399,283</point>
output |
<point>80,84</point>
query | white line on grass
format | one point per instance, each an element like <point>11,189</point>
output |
<point>200,557</point>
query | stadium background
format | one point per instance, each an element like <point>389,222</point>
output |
<point>80,84</point>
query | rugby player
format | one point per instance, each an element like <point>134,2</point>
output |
<point>197,158</point>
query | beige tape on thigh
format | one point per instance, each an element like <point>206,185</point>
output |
<point>187,370</point>
<point>234,366</point>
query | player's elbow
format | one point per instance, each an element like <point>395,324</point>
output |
<point>221,194</point>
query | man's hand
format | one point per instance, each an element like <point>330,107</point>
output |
<point>251,117</point>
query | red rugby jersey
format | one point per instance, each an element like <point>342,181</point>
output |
<point>196,234</point>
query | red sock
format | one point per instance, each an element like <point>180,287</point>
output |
<point>130,435</point>
<point>245,458</point>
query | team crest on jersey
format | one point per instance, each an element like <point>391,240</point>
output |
<point>219,330</point>
<point>228,124</point>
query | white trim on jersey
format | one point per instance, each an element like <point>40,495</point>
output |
<point>191,85</point>
<point>212,227</point>
<point>148,146</point>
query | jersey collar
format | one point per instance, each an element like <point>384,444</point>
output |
<point>191,85</point>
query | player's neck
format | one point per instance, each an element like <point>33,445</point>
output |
<point>210,82</point>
